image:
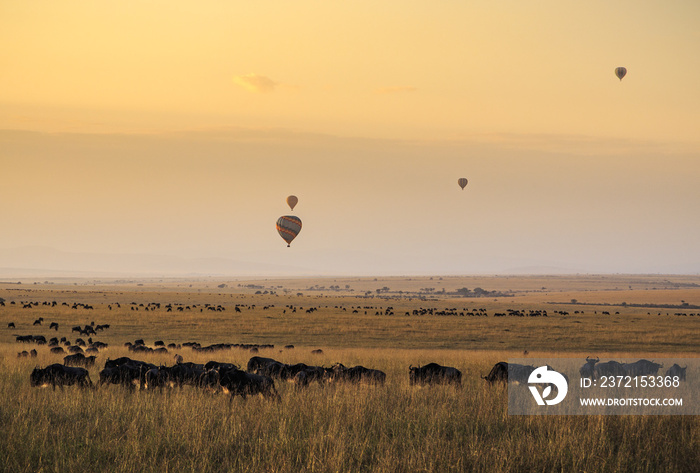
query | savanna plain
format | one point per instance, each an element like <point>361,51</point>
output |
<point>470,323</point>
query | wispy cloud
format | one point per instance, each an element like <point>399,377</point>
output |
<point>395,89</point>
<point>256,83</point>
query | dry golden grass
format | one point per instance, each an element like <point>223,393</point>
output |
<point>397,427</point>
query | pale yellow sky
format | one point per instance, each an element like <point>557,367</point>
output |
<point>395,68</point>
<point>179,127</point>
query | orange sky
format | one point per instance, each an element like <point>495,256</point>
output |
<point>180,127</point>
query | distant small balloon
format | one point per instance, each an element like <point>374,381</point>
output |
<point>462,181</point>
<point>620,72</point>
<point>288,226</point>
<point>292,201</point>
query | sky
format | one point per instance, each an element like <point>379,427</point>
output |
<point>177,129</point>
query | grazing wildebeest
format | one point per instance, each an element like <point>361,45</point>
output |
<point>75,349</point>
<point>22,354</point>
<point>186,373</point>
<point>57,350</point>
<point>240,383</point>
<point>11,325</point>
<point>60,375</point>
<point>275,369</point>
<point>355,374</point>
<point>34,354</point>
<point>499,372</point>
<point>594,369</point>
<point>432,373</point>
<point>79,360</point>
<point>676,370</point>
<point>54,326</point>
<point>37,322</point>
<point>642,368</point>
<point>258,362</point>
<point>77,328</point>
<point>218,365</point>
<point>317,352</point>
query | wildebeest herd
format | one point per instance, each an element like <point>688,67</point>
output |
<point>261,373</point>
<point>258,377</point>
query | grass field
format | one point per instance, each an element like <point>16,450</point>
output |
<point>397,427</point>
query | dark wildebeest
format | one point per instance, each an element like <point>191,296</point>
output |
<point>275,370</point>
<point>318,351</point>
<point>258,362</point>
<point>125,371</point>
<point>54,326</point>
<point>11,325</point>
<point>499,372</point>
<point>57,350</point>
<point>432,373</point>
<point>217,365</point>
<point>676,370</point>
<point>594,369</point>
<point>75,349</point>
<point>240,383</point>
<point>79,360</point>
<point>60,375</point>
<point>642,368</point>
<point>356,374</point>
<point>186,373</point>
<point>509,372</point>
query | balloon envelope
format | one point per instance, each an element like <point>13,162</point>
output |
<point>292,201</point>
<point>288,226</point>
<point>620,72</point>
<point>462,181</point>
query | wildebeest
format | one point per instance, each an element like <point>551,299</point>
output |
<point>509,372</point>
<point>258,362</point>
<point>676,370</point>
<point>186,374</point>
<point>218,365</point>
<point>79,360</point>
<point>60,375</point>
<point>125,371</point>
<point>356,374</point>
<point>642,368</point>
<point>499,372</point>
<point>433,373</point>
<point>238,382</point>
<point>594,369</point>
<point>54,326</point>
<point>11,325</point>
<point>57,350</point>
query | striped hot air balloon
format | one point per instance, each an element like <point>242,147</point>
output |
<point>288,226</point>
<point>620,72</point>
<point>462,181</point>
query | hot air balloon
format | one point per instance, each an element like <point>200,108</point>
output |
<point>292,201</point>
<point>620,72</point>
<point>462,181</point>
<point>288,226</point>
